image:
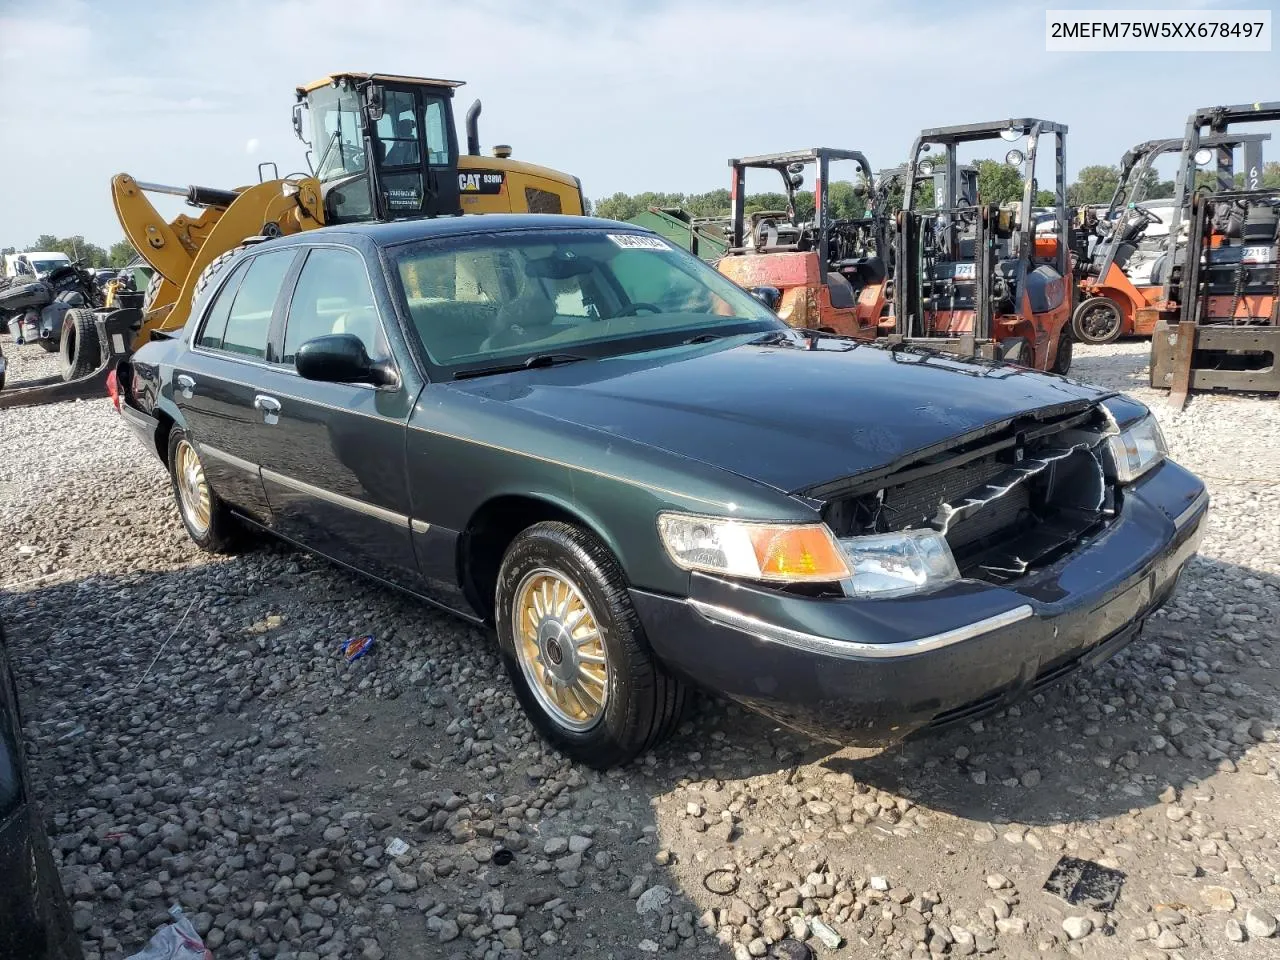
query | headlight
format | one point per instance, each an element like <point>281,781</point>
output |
<point>1137,449</point>
<point>789,553</point>
<point>890,564</point>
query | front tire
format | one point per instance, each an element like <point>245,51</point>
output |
<point>207,518</point>
<point>575,649</point>
<point>1097,320</point>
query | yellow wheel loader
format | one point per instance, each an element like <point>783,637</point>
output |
<point>380,147</point>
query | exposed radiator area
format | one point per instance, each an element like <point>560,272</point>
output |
<point>1006,508</point>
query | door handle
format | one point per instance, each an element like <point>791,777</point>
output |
<point>269,406</point>
<point>185,384</point>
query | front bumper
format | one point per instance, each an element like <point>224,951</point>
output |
<point>873,671</point>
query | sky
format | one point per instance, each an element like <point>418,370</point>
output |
<point>625,94</point>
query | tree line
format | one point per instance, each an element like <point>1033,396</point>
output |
<point>78,248</point>
<point>997,183</point>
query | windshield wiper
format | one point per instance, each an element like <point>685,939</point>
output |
<point>774,336</point>
<point>529,363</point>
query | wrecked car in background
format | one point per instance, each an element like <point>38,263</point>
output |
<point>571,430</point>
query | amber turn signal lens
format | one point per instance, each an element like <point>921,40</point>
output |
<point>796,553</point>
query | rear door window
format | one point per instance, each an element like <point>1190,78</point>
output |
<point>249,321</point>
<point>215,324</point>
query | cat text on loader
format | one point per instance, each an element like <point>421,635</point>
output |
<point>980,279</point>
<point>382,147</point>
<point>1227,292</point>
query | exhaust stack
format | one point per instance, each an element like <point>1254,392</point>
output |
<point>473,129</point>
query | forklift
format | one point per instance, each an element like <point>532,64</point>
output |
<point>980,279</point>
<point>824,274</point>
<point>1225,281</point>
<point>1121,295</point>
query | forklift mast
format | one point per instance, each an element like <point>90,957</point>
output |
<point>949,196</point>
<point>1206,129</point>
<point>1137,161</point>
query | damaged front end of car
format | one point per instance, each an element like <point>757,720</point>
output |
<point>1007,500</point>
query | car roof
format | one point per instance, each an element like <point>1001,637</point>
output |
<point>405,231</point>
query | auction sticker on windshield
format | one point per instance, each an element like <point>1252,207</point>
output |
<point>636,241</point>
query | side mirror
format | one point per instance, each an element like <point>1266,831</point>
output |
<point>341,358</point>
<point>1203,156</point>
<point>771,297</point>
<point>297,122</point>
<point>373,102</point>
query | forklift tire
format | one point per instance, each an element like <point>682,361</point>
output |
<point>1097,320</point>
<point>81,352</point>
<point>1066,350</point>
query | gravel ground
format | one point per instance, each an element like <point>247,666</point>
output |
<point>197,740</point>
<point>27,362</point>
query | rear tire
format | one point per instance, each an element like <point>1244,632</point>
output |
<point>81,352</point>
<point>205,515</point>
<point>636,703</point>
<point>1097,320</point>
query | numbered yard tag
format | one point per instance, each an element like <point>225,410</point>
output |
<point>637,241</point>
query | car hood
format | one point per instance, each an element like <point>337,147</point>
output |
<point>785,416</point>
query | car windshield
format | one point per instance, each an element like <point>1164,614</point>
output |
<point>499,298</point>
<point>42,267</point>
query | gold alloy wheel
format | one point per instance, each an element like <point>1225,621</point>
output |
<point>560,649</point>
<point>193,489</point>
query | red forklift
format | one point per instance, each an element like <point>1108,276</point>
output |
<point>981,279</point>
<point>829,272</point>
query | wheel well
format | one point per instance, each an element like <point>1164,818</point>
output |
<point>487,536</point>
<point>164,423</point>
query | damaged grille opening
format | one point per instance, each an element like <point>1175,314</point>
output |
<point>1007,506</point>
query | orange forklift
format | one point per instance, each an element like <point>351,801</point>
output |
<point>1121,293</point>
<point>984,279</point>
<point>824,273</point>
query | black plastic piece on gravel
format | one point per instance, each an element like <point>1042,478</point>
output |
<point>502,856</point>
<point>1085,883</point>
<point>789,949</point>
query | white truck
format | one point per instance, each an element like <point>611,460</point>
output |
<point>33,263</point>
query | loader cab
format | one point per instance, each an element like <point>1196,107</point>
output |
<point>383,147</point>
